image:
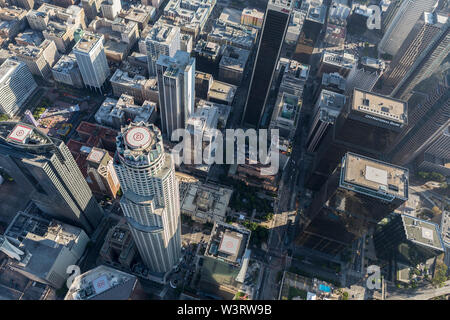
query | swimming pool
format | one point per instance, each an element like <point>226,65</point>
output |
<point>324,288</point>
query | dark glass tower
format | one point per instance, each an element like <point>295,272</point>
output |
<point>46,169</point>
<point>272,37</point>
<point>369,125</point>
<point>360,192</point>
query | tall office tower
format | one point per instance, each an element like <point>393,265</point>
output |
<point>365,75</point>
<point>428,62</point>
<point>313,24</point>
<point>16,85</point>
<point>402,23</point>
<point>91,59</point>
<point>436,157</point>
<point>427,121</point>
<point>369,125</point>
<point>428,29</point>
<point>408,241</point>
<point>150,198</point>
<point>111,8</point>
<point>327,109</point>
<point>162,39</point>
<point>46,168</point>
<point>360,192</point>
<point>389,15</point>
<point>274,28</point>
<point>176,86</point>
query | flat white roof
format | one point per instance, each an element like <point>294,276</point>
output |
<point>229,245</point>
<point>376,175</point>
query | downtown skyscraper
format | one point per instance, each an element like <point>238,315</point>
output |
<point>405,16</point>
<point>176,89</point>
<point>357,195</point>
<point>272,36</point>
<point>45,167</point>
<point>430,30</point>
<point>150,200</point>
<point>91,59</point>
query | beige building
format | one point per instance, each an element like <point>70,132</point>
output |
<point>204,202</point>
<point>120,36</point>
<point>101,177</point>
<point>57,24</point>
<point>252,17</point>
<point>137,86</point>
<point>39,60</point>
<point>12,21</point>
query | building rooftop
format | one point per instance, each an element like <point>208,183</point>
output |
<point>317,11</point>
<point>383,179</point>
<point>87,42</point>
<point>102,283</point>
<point>205,200</point>
<point>66,64</point>
<point>222,91</point>
<point>236,35</point>
<point>162,33</point>
<point>228,243</point>
<point>380,106</point>
<point>140,144</point>
<point>234,58</point>
<point>373,63</point>
<point>345,60</point>
<point>422,232</point>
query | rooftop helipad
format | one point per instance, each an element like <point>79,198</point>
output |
<point>138,137</point>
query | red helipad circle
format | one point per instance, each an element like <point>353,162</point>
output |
<point>229,244</point>
<point>20,133</point>
<point>138,137</point>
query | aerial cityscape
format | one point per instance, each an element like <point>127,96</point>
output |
<point>246,150</point>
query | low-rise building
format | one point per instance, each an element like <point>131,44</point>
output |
<point>119,249</point>
<point>39,59</point>
<point>29,37</point>
<point>42,248</point>
<point>66,71</point>
<point>335,62</point>
<point>221,92</point>
<point>232,65</point>
<point>139,13</point>
<point>285,115</point>
<point>190,15</point>
<point>120,36</point>
<point>335,35</point>
<point>225,261</point>
<point>57,24</point>
<point>204,202</point>
<point>135,85</point>
<point>106,283</point>
<point>115,113</point>
<point>252,17</point>
<point>294,77</point>
<point>236,35</point>
<point>203,82</point>
<point>12,21</point>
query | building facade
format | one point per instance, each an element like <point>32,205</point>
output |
<point>150,200</point>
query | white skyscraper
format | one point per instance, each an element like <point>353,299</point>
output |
<point>150,198</point>
<point>16,85</point>
<point>162,39</point>
<point>176,85</point>
<point>406,16</point>
<point>91,59</point>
